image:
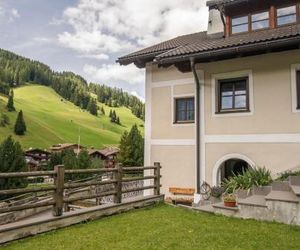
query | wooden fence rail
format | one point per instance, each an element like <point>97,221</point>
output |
<point>58,199</point>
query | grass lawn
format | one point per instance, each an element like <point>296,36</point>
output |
<point>50,120</point>
<point>166,227</point>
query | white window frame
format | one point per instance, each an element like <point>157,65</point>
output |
<point>294,69</point>
<point>223,76</point>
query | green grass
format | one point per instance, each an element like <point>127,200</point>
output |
<point>166,227</point>
<point>50,120</point>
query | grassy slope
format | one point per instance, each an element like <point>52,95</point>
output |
<point>166,227</point>
<point>50,120</point>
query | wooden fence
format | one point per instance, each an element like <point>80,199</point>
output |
<point>59,198</point>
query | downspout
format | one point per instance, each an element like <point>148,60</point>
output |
<point>198,179</point>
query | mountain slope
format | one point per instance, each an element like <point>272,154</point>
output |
<point>51,119</point>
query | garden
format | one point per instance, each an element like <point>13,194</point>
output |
<point>166,227</point>
<point>243,183</point>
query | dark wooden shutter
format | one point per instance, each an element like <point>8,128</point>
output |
<point>298,88</point>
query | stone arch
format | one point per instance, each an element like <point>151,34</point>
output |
<point>223,159</point>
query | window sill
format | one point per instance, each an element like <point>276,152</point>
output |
<point>183,122</point>
<point>234,111</point>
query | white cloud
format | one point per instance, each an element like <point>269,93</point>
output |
<point>113,26</point>
<point>105,29</point>
<point>100,57</point>
<point>8,15</point>
<point>114,74</point>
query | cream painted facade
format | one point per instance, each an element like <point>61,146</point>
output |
<point>267,136</point>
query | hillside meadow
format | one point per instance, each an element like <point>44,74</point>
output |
<point>50,119</point>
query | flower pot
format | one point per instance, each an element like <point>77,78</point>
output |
<point>230,203</point>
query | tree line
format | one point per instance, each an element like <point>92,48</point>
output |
<point>115,97</point>
<point>16,70</point>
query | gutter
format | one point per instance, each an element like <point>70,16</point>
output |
<point>198,179</point>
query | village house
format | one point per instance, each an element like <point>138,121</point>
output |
<point>37,159</point>
<point>225,99</point>
<point>108,155</point>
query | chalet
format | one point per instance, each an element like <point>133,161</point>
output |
<point>225,99</point>
<point>65,146</point>
<point>108,155</point>
<point>37,159</point>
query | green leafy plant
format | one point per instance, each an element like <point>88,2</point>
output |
<point>257,176</point>
<point>283,176</point>
<point>229,198</point>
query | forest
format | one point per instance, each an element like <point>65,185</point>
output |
<point>16,70</point>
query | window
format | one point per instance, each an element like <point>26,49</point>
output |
<point>286,15</point>
<point>239,24</point>
<point>298,88</point>
<point>184,110</point>
<point>260,20</point>
<point>233,95</point>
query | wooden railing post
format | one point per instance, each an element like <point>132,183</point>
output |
<point>58,195</point>
<point>157,178</point>
<point>118,184</point>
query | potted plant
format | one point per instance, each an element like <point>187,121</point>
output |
<point>229,200</point>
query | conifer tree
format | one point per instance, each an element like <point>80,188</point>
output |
<point>10,103</point>
<point>118,120</point>
<point>11,160</point>
<point>113,116</point>
<point>92,106</point>
<point>102,111</point>
<point>132,148</point>
<point>110,114</point>
<point>20,126</point>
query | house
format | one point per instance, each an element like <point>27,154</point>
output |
<point>65,146</point>
<point>226,99</point>
<point>108,155</point>
<point>37,159</point>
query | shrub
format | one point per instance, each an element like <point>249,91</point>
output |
<point>283,176</point>
<point>251,177</point>
<point>4,120</point>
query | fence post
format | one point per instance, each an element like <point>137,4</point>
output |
<point>157,178</point>
<point>118,185</point>
<point>58,195</point>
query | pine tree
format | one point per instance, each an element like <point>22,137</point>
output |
<point>20,126</point>
<point>113,116</point>
<point>124,153</point>
<point>11,160</point>
<point>102,111</point>
<point>10,103</point>
<point>132,148</point>
<point>118,120</point>
<point>92,106</point>
<point>110,114</point>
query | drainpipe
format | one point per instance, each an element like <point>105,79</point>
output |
<point>192,61</point>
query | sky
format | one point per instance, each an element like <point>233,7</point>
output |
<point>87,36</point>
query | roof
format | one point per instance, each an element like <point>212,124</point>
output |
<point>203,46</point>
<point>162,47</point>
<point>105,152</point>
<point>213,3</point>
<point>64,146</point>
<point>32,150</point>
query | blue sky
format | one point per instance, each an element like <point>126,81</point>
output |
<point>87,36</point>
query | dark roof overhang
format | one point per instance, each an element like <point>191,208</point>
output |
<point>233,52</point>
<point>214,4</point>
